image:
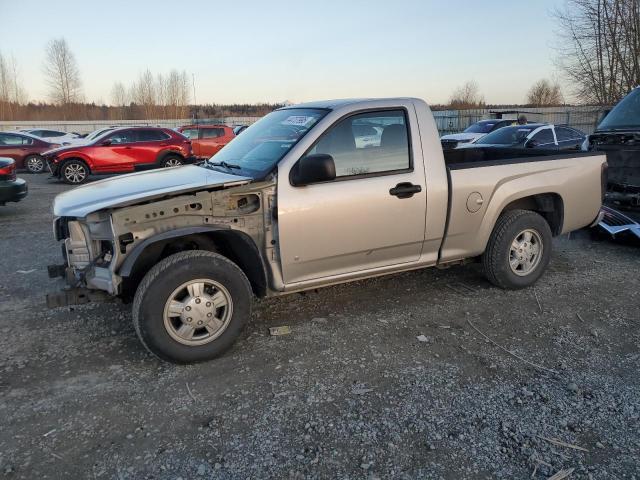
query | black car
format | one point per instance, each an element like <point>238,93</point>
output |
<point>533,135</point>
<point>12,189</point>
<point>619,136</point>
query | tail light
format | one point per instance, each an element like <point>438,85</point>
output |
<point>8,172</point>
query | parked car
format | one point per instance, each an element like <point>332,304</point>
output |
<point>618,135</point>
<point>474,132</point>
<point>12,189</point>
<point>53,136</point>
<point>120,150</point>
<point>25,149</point>
<point>90,137</point>
<point>532,135</point>
<point>270,216</point>
<point>207,140</point>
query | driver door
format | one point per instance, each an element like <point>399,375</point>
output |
<point>359,221</point>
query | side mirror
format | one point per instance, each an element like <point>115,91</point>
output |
<point>531,144</point>
<point>313,169</point>
<point>105,143</point>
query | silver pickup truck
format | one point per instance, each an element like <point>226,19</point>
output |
<point>312,195</point>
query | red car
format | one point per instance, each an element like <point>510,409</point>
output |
<point>207,140</point>
<point>120,150</point>
<point>25,149</point>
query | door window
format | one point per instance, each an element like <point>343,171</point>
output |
<point>123,136</point>
<point>190,133</point>
<point>151,135</point>
<point>366,143</point>
<point>544,137</point>
<point>10,140</point>
<point>567,134</point>
<point>212,132</point>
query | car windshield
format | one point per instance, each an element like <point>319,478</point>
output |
<point>263,144</point>
<point>506,136</point>
<point>480,127</point>
<point>625,114</point>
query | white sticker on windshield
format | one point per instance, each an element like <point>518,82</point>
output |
<point>300,120</point>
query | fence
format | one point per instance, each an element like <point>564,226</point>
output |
<point>447,121</point>
<point>582,118</point>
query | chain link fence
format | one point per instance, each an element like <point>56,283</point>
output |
<point>585,119</point>
<point>447,121</point>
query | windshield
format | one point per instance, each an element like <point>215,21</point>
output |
<point>506,136</point>
<point>98,133</point>
<point>480,127</point>
<point>626,114</point>
<point>263,144</point>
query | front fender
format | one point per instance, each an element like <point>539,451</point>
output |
<point>130,260</point>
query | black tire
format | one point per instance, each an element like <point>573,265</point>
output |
<point>172,161</point>
<point>164,279</point>
<point>74,171</point>
<point>496,258</point>
<point>34,164</point>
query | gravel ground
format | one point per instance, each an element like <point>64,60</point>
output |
<point>352,392</point>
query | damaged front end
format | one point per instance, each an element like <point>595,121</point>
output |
<point>87,249</point>
<point>104,226</point>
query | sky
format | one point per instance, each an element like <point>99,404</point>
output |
<point>295,50</point>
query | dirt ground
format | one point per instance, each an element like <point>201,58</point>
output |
<point>350,393</point>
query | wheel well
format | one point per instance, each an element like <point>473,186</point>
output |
<point>236,246</point>
<point>549,205</point>
<point>66,160</point>
<point>166,153</point>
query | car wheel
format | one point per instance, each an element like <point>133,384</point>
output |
<point>518,250</point>
<point>74,172</point>
<point>191,306</point>
<point>172,161</point>
<point>34,164</point>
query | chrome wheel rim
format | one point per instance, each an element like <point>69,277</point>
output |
<point>173,162</point>
<point>525,252</point>
<point>75,173</point>
<point>35,164</point>
<point>198,312</point>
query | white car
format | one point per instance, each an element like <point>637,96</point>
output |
<point>532,135</point>
<point>91,136</point>
<point>474,131</point>
<point>367,136</point>
<point>54,136</point>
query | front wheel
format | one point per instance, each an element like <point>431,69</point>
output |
<point>74,172</point>
<point>191,306</point>
<point>518,251</point>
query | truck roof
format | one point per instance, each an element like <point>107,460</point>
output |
<point>341,102</point>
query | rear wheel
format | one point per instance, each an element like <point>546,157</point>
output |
<point>34,164</point>
<point>74,172</point>
<point>191,306</point>
<point>172,161</point>
<point>518,250</point>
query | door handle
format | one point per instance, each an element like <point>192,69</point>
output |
<point>127,148</point>
<point>405,190</point>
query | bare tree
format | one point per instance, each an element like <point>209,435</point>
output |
<point>61,73</point>
<point>12,95</point>
<point>467,96</point>
<point>119,99</point>
<point>144,94</point>
<point>600,48</point>
<point>545,93</point>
